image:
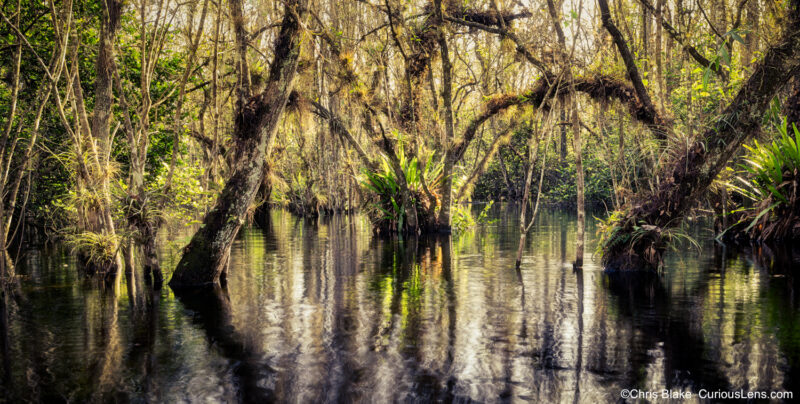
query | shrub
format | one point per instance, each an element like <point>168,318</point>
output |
<point>769,181</point>
<point>384,202</point>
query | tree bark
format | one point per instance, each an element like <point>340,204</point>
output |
<point>99,218</point>
<point>205,259</point>
<point>639,237</point>
<point>447,103</point>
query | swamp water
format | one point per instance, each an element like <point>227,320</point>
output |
<point>321,311</point>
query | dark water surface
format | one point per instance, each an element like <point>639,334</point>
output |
<point>320,311</point>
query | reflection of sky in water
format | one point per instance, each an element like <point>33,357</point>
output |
<point>318,312</point>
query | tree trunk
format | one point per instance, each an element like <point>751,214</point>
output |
<point>659,57</point>
<point>576,141</point>
<point>6,268</point>
<point>563,146</point>
<point>447,102</point>
<point>523,226</point>
<point>98,215</point>
<point>205,259</point>
<point>751,37</point>
<point>638,240</point>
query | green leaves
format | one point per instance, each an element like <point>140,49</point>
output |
<point>383,185</point>
<point>770,175</point>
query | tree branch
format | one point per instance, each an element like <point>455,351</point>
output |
<point>630,65</point>
<point>681,39</point>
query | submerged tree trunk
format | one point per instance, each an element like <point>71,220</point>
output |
<point>205,258</point>
<point>638,239</point>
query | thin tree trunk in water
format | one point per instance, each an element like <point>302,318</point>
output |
<point>694,169</point>
<point>205,259</point>
<point>524,206</point>
<point>138,141</point>
<point>576,139</point>
<point>576,127</point>
<point>523,226</point>
<point>128,252</point>
<point>447,102</point>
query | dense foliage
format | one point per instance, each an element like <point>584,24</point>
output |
<point>119,117</point>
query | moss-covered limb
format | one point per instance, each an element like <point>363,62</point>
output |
<point>425,44</point>
<point>205,259</point>
<point>504,31</point>
<point>597,87</point>
<point>488,18</point>
<point>651,214</point>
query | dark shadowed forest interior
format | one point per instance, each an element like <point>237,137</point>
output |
<point>399,200</point>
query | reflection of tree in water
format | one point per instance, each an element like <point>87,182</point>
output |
<point>414,276</point>
<point>5,343</point>
<point>253,379</point>
<point>779,310</point>
<point>107,367</point>
<point>721,338</point>
<point>645,305</point>
<point>321,312</point>
<point>143,354</point>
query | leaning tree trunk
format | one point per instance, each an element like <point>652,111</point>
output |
<point>205,259</point>
<point>639,237</point>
